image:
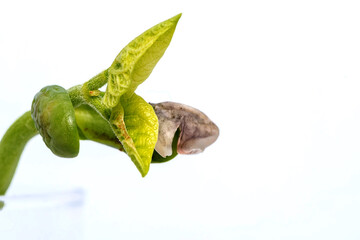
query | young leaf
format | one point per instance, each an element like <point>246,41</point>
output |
<point>135,124</point>
<point>136,61</point>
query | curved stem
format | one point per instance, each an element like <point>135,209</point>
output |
<point>12,145</point>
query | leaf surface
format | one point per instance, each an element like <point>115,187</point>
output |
<point>136,61</point>
<point>135,124</point>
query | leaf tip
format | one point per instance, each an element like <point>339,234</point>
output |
<point>144,170</point>
<point>176,18</point>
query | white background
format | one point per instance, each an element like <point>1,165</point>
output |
<point>281,79</point>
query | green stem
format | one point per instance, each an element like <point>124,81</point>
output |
<point>91,126</point>
<point>98,81</point>
<point>96,101</point>
<point>75,95</point>
<point>12,145</point>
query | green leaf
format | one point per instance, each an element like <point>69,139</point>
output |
<point>136,61</point>
<point>135,124</point>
